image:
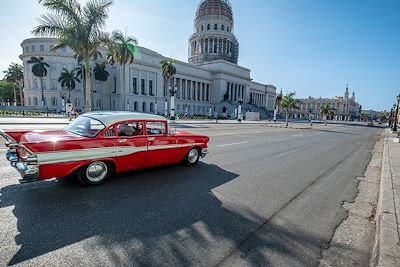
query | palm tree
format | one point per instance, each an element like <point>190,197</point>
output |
<point>278,100</point>
<point>100,73</point>
<point>325,111</point>
<point>168,70</point>
<point>78,27</point>
<point>288,103</point>
<point>39,69</point>
<point>68,79</point>
<point>121,50</point>
<point>15,75</point>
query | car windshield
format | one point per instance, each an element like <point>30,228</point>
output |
<point>85,126</point>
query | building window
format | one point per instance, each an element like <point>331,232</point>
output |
<point>35,101</point>
<point>27,49</point>
<point>227,29</point>
<point>76,102</point>
<point>208,26</point>
<point>142,86</point>
<point>115,84</point>
<point>41,47</point>
<point>215,27</point>
<point>33,48</point>
<point>113,104</point>
<point>222,28</point>
<point>134,83</point>
<point>135,106</point>
<point>144,107</point>
<point>54,101</point>
<point>202,28</point>
<point>151,88</point>
<point>29,101</point>
<point>151,107</point>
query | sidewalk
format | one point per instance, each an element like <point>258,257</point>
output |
<point>387,244</point>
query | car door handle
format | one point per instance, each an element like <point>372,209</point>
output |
<point>122,140</point>
<point>151,138</point>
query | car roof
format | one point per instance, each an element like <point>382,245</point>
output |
<point>110,117</point>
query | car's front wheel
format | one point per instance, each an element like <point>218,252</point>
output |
<point>95,173</point>
<point>192,157</point>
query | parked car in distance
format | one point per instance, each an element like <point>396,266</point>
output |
<point>97,145</point>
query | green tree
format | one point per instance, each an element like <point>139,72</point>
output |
<point>39,69</point>
<point>78,27</point>
<point>100,72</point>
<point>168,70</point>
<point>7,90</point>
<point>68,79</point>
<point>288,103</point>
<point>364,116</point>
<point>15,75</point>
<point>121,49</point>
<point>325,111</point>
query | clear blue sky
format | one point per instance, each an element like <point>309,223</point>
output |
<point>312,47</point>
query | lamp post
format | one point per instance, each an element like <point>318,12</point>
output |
<point>396,114</point>
<point>172,92</point>
<point>240,102</point>
<point>390,118</point>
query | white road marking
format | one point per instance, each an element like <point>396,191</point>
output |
<point>233,144</point>
<point>284,154</point>
<point>295,135</point>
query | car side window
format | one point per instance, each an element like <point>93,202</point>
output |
<point>155,128</point>
<point>130,129</point>
<point>110,132</point>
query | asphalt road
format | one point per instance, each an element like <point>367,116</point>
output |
<point>263,196</point>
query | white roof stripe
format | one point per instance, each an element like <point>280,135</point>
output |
<point>110,117</point>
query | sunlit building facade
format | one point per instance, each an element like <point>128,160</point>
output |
<point>211,82</point>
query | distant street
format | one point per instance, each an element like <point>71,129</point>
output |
<point>263,196</point>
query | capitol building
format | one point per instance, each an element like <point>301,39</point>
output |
<point>210,82</point>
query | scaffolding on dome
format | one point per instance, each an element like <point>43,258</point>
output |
<point>214,7</point>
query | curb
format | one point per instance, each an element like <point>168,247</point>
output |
<point>386,250</point>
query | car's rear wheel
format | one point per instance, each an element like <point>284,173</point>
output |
<point>95,173</point>
<point>192,157</point>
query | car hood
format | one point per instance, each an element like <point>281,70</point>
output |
<point>49,136</point>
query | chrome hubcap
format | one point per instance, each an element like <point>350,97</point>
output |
<point>96,171</point>
<point>193,155</point>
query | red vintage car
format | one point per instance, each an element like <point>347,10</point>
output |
<point>98,144</point>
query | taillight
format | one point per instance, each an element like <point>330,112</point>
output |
<point>22,153</point>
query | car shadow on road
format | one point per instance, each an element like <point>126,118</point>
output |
<point>168,216</point>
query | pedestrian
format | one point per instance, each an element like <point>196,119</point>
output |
<point>72,114</point>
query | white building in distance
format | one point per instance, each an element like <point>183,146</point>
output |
<point>210,83</point>
<point>345,108</point>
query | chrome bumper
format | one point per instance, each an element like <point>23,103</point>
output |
<point>29,172</point>
<point>204,153</point>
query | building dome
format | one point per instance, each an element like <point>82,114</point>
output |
<point>213,37</point>
<point>214,7</point>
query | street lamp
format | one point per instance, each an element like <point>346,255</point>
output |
<point>172,92</point>
<point>240,102</point>
<point>396,114</point>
